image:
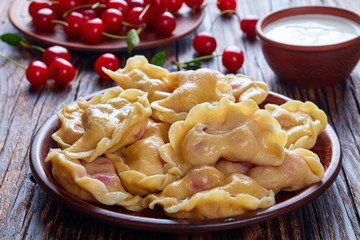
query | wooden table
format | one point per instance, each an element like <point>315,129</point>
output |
<point>26,212</point>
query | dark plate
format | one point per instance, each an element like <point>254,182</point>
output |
<point>327,147</point>
<point>21,19</point>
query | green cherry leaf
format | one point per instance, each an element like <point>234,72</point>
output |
<point>159,59</point>
<point>132,39</point>
<point>13,39</point>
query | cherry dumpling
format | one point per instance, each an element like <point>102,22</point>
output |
<point>205,192</point>
<point>245,87</point>
<point>110,123</point>
<point>95,181</point>
<point>140,74</point>
<point>238,132</point>
<point>303,122</point>
<point>194,87</point>
<point>300,168</point>
<point>140,166</point>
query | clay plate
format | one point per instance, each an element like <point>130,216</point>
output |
<point>21,19</point>
<point>327,147</point>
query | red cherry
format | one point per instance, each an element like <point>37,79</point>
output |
<point>65,5</point>
<point>98,10</point>
<point>204,43</point>
<point>133,16</point>
<point>88,13</point>
<point>137,3</point>
<point>165,24</point>
<point>92,29</point>
<point>37,73</point>
<point>112,18</point>
<point>35,6</point>
<point>226,5</point>
<point>43,20</point>
<point>157,7</point>
<point>107,60</point>
<point>120,5</point>
<point>194,4</point>
<point>74,22</point>
<point>173,6</point>
<point>54,52</point>
<point>62,71</point>
<point>232,58</point>
<point>95,1</point>
<point>248,25</point>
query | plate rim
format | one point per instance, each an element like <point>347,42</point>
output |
<point>102,47</point>
<point>302,198</point>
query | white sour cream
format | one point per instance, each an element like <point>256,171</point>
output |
<point>312,30</point>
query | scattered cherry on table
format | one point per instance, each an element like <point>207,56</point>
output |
<point>204,43</point>
<point>248,25</point>
<point>53,52</point>
<point>37,73</point>
<point>232,58</point>
<point>62,71</point>
<point>107,60</point>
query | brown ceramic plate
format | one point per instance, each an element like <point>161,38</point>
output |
<point>21,19</point>
<point>327,147</point>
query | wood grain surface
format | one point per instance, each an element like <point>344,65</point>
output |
<point>26,212</point>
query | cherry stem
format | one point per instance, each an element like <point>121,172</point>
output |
<point>33,47</point>
<point>60,22</point>
<point>180,64</point>
<point>132,25</point>
<point>27,45</point>
<point>229,12</point>
<point>144,11</point>
<point>196,8</point>
<point>14,62</point>
<point>92,6</point>
<point>113,36</point>
<point>138,31</point>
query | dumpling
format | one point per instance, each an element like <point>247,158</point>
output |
<point>245,87</point>
<point>205,192</point>
<point>303,122</point>
<point>110,124</point>
<point>140,166</point>
<point>300,169</point>
<point>71,128</point>
<point>139,74</point>
<point>96,181</point>
<point>238,132</point>
<point>194,87</point>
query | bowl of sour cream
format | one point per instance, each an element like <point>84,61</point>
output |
<point>311,46</point>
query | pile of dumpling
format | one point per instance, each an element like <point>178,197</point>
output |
<point>195,143</point>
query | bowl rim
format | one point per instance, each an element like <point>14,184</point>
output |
<point>303,10</point>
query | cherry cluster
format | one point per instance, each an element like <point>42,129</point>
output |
<point>205,43</point>
<point>55,63</point>
<point>93,19</point>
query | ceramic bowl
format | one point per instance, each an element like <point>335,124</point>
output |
<point>310,66</point>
